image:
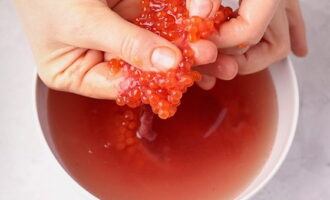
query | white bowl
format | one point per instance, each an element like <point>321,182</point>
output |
<point>287,92</point>
<point>285,83</point>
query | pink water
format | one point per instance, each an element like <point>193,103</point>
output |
<point>211,150</point>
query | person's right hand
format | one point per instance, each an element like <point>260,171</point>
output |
<point>72,40</point>
<point>263,33</point>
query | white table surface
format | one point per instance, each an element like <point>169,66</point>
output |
<point>28,172</point>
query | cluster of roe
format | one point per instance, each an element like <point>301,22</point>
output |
<point>163,90</point>
<point>132,124</point>
<point>127,122</point>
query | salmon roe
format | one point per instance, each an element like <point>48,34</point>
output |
<point>163,90</point>
<point>132,125</point>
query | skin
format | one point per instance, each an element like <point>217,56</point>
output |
<point>263,33</point>
<point>72,40</point>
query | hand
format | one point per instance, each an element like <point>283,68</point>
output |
<point>73,39</point>
<point>263,33</point>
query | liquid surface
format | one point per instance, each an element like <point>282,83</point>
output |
<point>210,150</point>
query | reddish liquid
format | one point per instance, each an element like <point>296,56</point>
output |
<point>210,150</point>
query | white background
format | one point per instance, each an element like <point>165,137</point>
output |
<point>28,172</point>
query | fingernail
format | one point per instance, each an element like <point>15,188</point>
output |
<point>201,8</point>
<point>163,58</point>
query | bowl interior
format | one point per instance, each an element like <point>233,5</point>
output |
<point>288,103</point>
<point>287,93</point>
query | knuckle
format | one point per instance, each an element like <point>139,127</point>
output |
<point>127,46</point>
<point>137,48</point>
<point>56,80</point>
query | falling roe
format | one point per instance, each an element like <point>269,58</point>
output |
<point>211,149</point>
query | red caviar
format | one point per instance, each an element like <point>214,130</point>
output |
<point>130,125</point>
<point>163,90</point>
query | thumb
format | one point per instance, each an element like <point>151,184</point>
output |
<point>97,27</point>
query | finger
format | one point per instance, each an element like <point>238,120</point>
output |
<point>207,82</point>
<point>108,56</point>
<point>256,59</point>
<point>205,52</point>
<point>99,82</point>
<point>203,8</point>
<point>250,25</point>
<point>234,51</point>
<point>102,29</point>
<point>297,28</point>
<point>84,73</point>
<point>128,9</point>
<point>274,47</point>
<point>112,3</point>
<point>225,68</point>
